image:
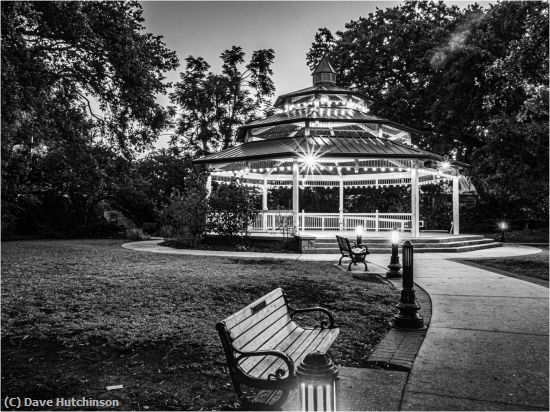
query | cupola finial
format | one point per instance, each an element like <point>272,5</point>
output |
<point>324,72</point>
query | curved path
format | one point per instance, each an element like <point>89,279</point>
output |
<point>487,344</point>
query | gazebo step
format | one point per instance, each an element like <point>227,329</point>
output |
<point>417,243</point>
<point>386,241</point>
<point>424,247</point>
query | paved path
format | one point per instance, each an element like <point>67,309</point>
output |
<point>487,344</point>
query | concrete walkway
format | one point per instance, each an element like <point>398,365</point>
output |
<point>487,344</point>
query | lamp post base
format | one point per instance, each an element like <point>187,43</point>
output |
<point>394,270</point>
<point>408,317</point>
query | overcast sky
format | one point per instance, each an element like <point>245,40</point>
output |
<point>206,28</point>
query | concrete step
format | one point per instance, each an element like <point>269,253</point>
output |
<point>417,245</point>
<point>451,247</point>
<point>386,240</point>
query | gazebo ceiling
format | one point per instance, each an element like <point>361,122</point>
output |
<point>364,146</point>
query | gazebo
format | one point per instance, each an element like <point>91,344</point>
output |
<point>325,136</point>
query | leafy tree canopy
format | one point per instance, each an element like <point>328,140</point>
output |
<point>212,106</point>
<point>86,53</point>
<point>474,80</point>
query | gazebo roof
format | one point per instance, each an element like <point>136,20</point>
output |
<point>332,121</point>
<point>320,114</point>
<point>364,146</point>
<point>324,88</point>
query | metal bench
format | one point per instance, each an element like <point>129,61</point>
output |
<point>357,253</point>
<point>263,346</point>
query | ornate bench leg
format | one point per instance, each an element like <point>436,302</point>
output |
<point>350,263</point>
<point>366,267</point>
<point>340,261</point>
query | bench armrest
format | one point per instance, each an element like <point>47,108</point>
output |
<point>324,324</point>
<point>277,353</point>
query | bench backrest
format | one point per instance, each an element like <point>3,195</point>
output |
<point>252,326</point>
<point>343,243</point>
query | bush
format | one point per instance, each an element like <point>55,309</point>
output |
<point>137,234</point>
<point>184,218</point>
<point>232,210</point>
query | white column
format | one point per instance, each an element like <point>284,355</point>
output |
<point>208,186</point>
<point>415,203</point>
<point>456,207</point>
<point>264,205</point>
<point>341,204</point>
<point>295,194</point>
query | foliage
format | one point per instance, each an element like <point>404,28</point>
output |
<point>186,212</point>
<point>232,210</point>
<point>81,53</point>
<point>214,105</point>
<point>474,80</point>
<point>166,171</point>
<point>136,234</point>
<point>79,83</point>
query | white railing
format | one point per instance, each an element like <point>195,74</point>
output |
<point>276,221</point>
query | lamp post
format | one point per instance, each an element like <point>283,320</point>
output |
<point>317,377</point>
<point>394,266</point>
<point>503,226</point>
<point>359,234</point>
<point>408,317</point>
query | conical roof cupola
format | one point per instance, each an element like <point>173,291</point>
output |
<point>324,72</point>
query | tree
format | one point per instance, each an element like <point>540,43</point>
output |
<point>79,82</point>
<point>166,171</point>
<point>213,105</point>
<point>470,79</point>
<point>79,52</point>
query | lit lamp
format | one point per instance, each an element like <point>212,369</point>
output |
<point>394,266</point>
<point>317,377</point>
<point>503,227</point>
<point>359,233</point>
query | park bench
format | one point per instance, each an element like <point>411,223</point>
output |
<point>357,253</point>
<point>264,345</point>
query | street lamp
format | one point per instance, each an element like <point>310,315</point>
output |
<point>359,233</point>
<point>317,377</point>
<point>503,226</point>
<point>394,266</point>
<point>408,317</point>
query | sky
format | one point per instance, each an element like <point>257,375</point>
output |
<point>206,28</point>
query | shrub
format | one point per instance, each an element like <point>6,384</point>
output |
<point>232,210</point>
<point>137,234</point>
<point>184,218</point>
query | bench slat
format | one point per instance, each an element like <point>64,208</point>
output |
<point>294,338</point>
<point>266,326</point>
<point>285,334</point>
<point>243,314</point>
<point>318,340</point>
<point>294,350</point>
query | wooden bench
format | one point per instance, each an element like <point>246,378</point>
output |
<point>357,253</point>
<point>263,346</point>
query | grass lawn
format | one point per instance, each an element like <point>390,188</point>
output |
<point>78,316</point>
<point>533,266</point>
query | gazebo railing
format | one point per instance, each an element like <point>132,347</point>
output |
<point>275,221</point>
